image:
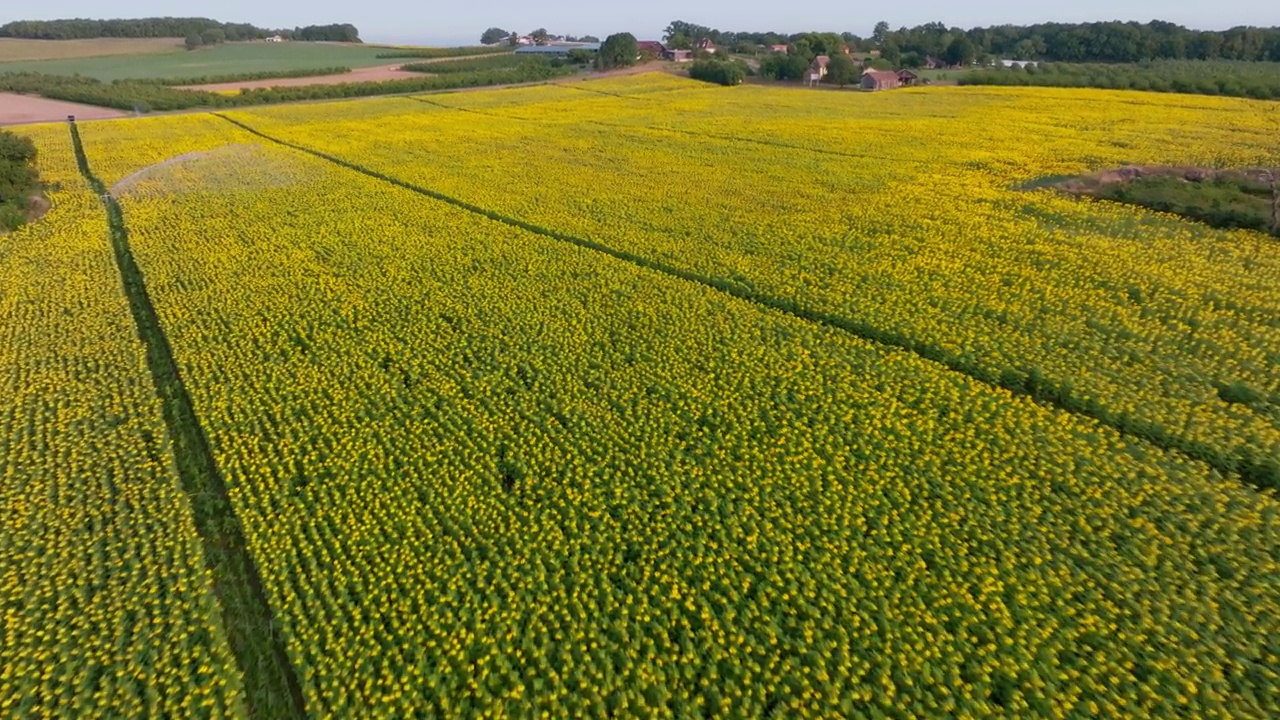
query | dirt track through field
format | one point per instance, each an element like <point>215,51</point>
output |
<point>372,74</point>
<point>26,109</point>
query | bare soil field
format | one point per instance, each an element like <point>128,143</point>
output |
<point>372,74</point>
<point>19,49</point>
<point>24,109</point>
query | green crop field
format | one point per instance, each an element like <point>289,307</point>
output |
<point>228,59</point>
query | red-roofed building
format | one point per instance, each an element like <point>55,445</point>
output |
<point>778,49</point>
<point>880,80</point>
<point>706,45</point>
<point>817,70</point>
<point>651,48</point>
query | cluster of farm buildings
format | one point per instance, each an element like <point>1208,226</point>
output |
<point>872,78</point>
<point>650,48</point>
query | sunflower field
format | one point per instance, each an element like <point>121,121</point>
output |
<point>105,608</point>
<point>906,217</point>
<point>645,398</point>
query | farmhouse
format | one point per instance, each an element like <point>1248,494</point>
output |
<point>275,39</point>
<point>778,49</point>
<point>906,77</point>
<point>652,48</point>
<point>880,80</point>
<point>680,56</point>
<point>706,45</point>
<point>817,70</point>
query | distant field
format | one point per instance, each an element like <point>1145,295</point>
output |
<point>220,60</point>
<point>17,49</point>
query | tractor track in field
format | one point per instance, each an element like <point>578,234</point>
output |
<point>1252,468</point>
<point>270,682</point>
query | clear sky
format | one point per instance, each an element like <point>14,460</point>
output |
<point>454,22</point>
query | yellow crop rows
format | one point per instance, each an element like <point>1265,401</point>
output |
<point>486,472</point>
<point>901,213</point>
<point>105,609</point>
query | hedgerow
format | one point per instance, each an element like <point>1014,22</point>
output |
<point>146,96</point>
<point>1258,80</point>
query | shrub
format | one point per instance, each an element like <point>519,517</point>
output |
<point>714,71</point>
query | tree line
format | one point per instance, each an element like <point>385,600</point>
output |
<point>81,29</point>
<point>1057,42</point>
<point>496,35</point>
<point>1257,80</point>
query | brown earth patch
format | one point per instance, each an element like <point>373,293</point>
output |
<point>1093,182</point>
<point>372,74</point>
<point>369,74</point>
<point>37,206</point>
<point>22,49</point>
<point>26,109</point>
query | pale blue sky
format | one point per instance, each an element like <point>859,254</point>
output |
<point>453,22</point>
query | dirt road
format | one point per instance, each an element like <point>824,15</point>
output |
<point>369,74</point>
<point>24,109</point>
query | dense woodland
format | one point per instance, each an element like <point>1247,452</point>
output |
<point>79,29</point>
<point>18,179</point>
<point>1060,42</point>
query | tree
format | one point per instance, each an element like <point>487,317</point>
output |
<point>328,33</point>
<point>493,36</point>
<point>783,67</point>
<point>193,41</point>
<point>578,56</point>
<point>680,41</point>
<point>618,50</point>
<point>513,39</point>
<point>539,36</point>
<point>841,70</point>
<point>891,53</point>
<point>716,71</point>
<point>959,52</point>
<point>212,37</point>
<point>689,30</point>
<point>881,32</point>
<point>589,39</point>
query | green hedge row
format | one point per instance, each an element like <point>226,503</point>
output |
<point>437,52</point>
<point>136,96</point>
<point>247,76</point>
<point>1259,80</point>
<point>721,73</point>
